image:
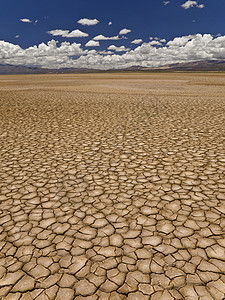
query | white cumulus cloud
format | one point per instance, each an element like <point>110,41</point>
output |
<point>88,22</point>
<point>67,33</point>
<point>154,38</point>
<point>49,55</point>
<point>155,43</point>
<point>182,49</point>
<point>189,3</point>
<point>92,43</point>
<point>124,31</point>
<point>25,20</point>
<point>137,41</point>
<point>110,23</point>
<point>180,41</point>
<point>118,49</point>
<point>104,38</point>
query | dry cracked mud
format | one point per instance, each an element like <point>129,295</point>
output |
<point>112,186</point>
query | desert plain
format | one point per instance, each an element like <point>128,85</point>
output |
<point>112,186</point>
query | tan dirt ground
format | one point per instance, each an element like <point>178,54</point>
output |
<point>112,186</point>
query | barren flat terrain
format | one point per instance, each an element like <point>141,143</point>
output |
<point>112,186</point>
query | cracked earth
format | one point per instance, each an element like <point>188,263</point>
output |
<point>112,186</point>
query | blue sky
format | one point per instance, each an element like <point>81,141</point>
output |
<point>151,24</point>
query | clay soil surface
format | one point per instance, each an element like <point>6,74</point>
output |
<point>112,186</point>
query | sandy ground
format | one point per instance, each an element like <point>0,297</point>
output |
<point>112,186</point>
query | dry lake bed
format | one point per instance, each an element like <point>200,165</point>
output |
<point>112,186</point>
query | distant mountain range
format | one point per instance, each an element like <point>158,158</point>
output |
<point>207,65</point>
<point>13,69</point>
